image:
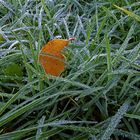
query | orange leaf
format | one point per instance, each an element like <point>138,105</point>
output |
<point>51,58</point>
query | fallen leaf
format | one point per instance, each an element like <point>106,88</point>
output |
<point>51,57</point>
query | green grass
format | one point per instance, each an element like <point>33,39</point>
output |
<point>98,94</point>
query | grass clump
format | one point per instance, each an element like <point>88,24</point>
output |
<point>96,97</point>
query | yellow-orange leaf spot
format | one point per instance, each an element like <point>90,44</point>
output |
<point>51,57</point>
